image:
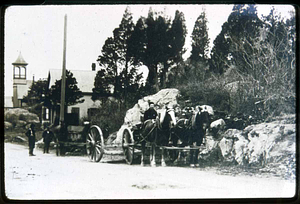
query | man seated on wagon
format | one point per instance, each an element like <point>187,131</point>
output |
<point>150,113</point>
<point>188,110</point>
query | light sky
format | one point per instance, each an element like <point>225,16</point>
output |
<point>37,32</point>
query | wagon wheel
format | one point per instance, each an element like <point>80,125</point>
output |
<point>95,144</point>
<point>127,148</point>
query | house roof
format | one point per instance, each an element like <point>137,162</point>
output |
<point>20,61</point>
<point>85,78</point>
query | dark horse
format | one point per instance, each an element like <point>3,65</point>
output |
<point>157,132</point>
<point>191,131</point>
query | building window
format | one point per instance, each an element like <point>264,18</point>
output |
<point>47,114</point>
<point>75,115</point>
<point>75,110</point>
<point>92,112</point>
<point>20,73</point>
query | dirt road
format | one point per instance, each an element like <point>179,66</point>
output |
<point>47,176</point>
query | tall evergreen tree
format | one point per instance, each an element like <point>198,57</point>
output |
<point>177,36</point>
<point>156,40</point>
<point>241,29</point>
<point>200,40</point>
<point>117,61</point>
<point>219,59</point>
<point>175,47</point>
<point>101,88</point>
<point>158,44</point>
<point>137,42</point>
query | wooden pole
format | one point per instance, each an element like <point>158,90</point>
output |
<point>63,77</point>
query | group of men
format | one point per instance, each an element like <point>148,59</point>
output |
<point>47,138</point>
<point>151,113</point>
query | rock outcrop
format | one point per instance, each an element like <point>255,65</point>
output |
<point>262,145</point>
<point>19,118</point>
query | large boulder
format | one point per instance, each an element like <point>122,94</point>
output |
<point>227,142</point>
<point>165,97</point>
<point>29,117</point>
<point>220,123</point>
<point>20,117</point>
<point>212,153</point>
<point>14,113</point>
<point>261,145</point>
<point>217,127</point>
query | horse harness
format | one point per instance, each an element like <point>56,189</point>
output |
<point>145,137</point>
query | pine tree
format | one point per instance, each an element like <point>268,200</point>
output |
<point>73,93</point>
<point>240,31</point>
<point>117,62</point>
<point>200,40</point>
<point>157,44</point>
<point>175,47</point>
<point>137,42</point>
<point>219,59</point>
<point>177,36</point>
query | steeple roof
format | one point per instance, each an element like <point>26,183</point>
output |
<point>20,61</point>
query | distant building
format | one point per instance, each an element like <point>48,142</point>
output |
<point>85,82</point>
<point>20,83</point>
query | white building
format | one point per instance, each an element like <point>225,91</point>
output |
<point>85,82</point>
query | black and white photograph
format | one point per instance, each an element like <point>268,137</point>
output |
<point>150,101</point>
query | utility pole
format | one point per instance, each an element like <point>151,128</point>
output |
<point>62,136</point>
<point>63,77</point>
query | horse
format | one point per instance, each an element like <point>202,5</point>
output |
<point>189,131</point>
<point>156,132</point>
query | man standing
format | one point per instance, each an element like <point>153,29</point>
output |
<point>47,138</point>
<point>31,138</point>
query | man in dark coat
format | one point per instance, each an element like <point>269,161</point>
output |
<point>150,113</point>
<point>47,138</point>
<point>31,138</point>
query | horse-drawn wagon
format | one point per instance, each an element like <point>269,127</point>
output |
<point>73,139</point>
<point>154,134</point>
<point>169,135</point>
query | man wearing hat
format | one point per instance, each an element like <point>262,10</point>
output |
<point>31,138</point>
<point>150,113</point>
<point>47,137</point>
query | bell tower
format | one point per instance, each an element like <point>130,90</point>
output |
<point>19,78</point>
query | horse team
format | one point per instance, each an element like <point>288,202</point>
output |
<point>187,131</point>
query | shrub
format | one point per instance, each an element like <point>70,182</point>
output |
<point>210,92</point>
<point>110,117</point>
